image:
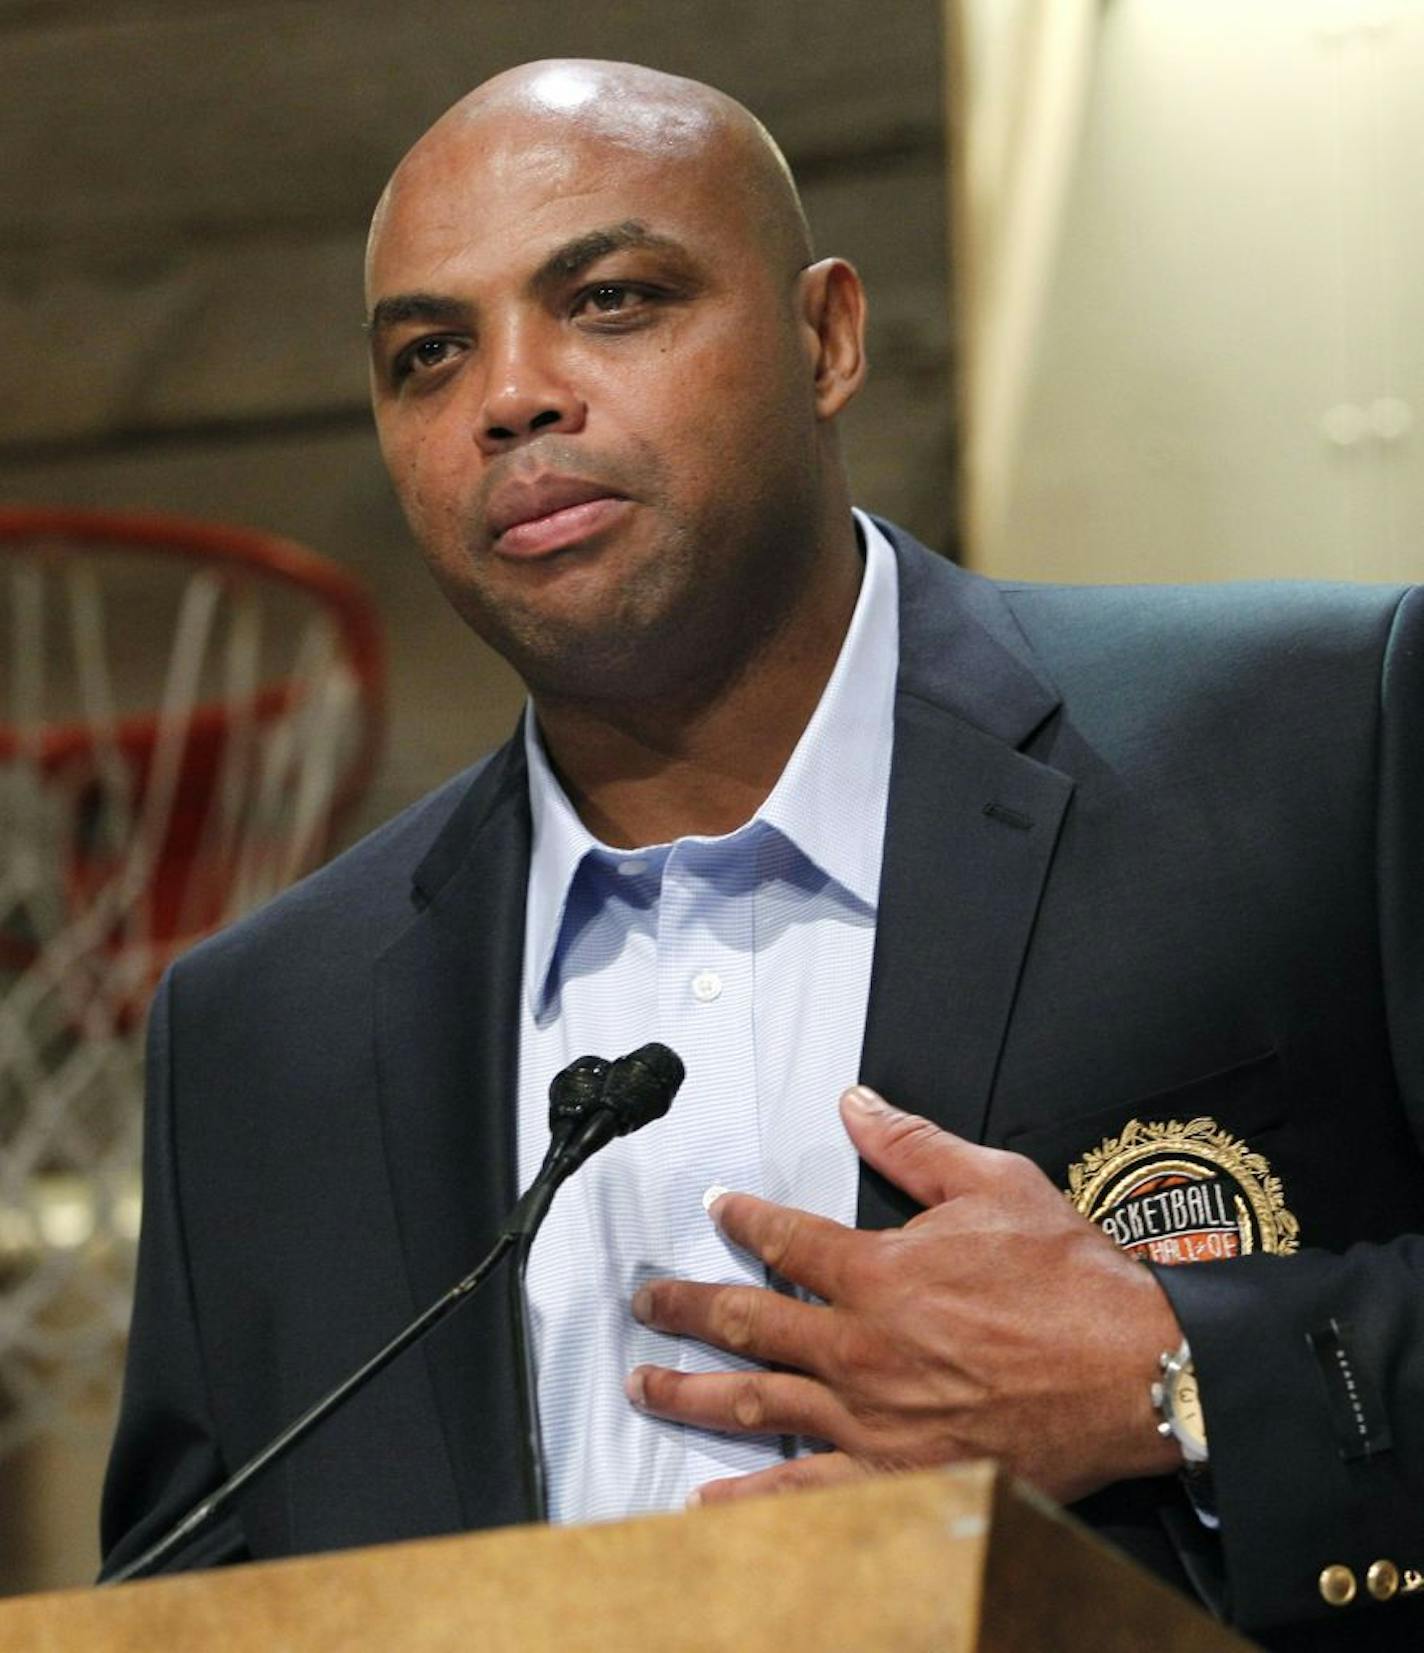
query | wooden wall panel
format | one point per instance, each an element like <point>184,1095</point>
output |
<point>218,120</point>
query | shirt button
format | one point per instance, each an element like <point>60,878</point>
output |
<point>706,986</point>
<point>631,869</point>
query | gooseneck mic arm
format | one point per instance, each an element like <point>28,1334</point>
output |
<point>600,1101</point>
<point>590,1103</point>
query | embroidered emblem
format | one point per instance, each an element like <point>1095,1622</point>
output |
<point>1183,1193</point>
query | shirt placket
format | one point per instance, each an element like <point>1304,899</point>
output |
<point>705,1008</point>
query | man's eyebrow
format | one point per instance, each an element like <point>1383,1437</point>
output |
<point>561,265</point>
<point>400,307</point>
<point>576,255</point>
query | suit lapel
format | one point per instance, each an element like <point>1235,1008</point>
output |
<point>971,828</point>
<point>447,1038</point>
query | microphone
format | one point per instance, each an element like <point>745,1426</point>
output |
<point>630,1093</point>
<point>574,1093</point>
<point>637,1089</point>
<point>640,1086</point>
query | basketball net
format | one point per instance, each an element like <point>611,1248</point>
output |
<point>186,712</point>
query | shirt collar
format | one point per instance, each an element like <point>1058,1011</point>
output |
<point>559,843</point>
<point>829,800</point>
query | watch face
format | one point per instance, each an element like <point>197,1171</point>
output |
<point>1186,1402</point>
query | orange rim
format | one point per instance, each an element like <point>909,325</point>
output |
<point>283,560</point>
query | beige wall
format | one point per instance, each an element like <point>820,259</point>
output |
<point>1229,372</point>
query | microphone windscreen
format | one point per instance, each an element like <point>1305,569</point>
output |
<point>640,1086</point>
<point>575,1091</point>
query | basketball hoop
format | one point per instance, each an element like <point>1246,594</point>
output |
<point>187,712</point>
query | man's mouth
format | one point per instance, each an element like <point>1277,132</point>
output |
<point>549,513</point>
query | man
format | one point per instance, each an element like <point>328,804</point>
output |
<point>1123,881</point>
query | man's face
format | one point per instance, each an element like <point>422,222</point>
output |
<point>595,398</point>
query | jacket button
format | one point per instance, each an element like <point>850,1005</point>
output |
<point>1337,1585</point>
<point>1382,1580</point>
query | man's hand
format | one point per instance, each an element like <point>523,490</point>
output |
<point>997,1323</point>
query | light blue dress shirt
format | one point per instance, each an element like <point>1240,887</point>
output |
<point>750,955</point>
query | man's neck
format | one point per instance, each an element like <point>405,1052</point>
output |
<point>649,772</point>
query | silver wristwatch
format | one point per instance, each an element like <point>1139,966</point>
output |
<point>1178,1401</point>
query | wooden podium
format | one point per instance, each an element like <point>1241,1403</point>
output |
<point>951,1561</point>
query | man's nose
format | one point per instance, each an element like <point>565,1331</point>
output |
<point>526,392</point>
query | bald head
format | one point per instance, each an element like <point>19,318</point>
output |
<point>525,116</point>
<point>605,375</point>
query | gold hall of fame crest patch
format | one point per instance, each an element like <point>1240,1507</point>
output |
<point>1183,1193</point>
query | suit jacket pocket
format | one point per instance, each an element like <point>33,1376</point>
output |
<point>1240,1103</point>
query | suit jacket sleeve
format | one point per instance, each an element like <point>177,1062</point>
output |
<point>165,1455</point>
<point>1312,1367</point>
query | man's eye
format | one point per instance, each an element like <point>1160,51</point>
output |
<point>424,355</point>
<point>611,298</point>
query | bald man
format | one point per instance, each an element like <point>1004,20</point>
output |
<point>1124,882</point>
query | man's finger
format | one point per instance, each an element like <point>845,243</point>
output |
<point>745,1320</point>
<point>737,1403</point>
<point>931,1165</point>
<point>809,1250</point>
<point>816,1469</point>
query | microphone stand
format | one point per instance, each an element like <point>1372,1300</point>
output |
<point>582,1138</point>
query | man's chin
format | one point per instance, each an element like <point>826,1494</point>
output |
<point>549,647</point>
<point>591,667</point>
<point>619,623</point>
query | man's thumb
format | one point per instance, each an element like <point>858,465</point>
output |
<point>911,1152</point>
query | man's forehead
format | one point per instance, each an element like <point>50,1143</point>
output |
<point>521,195</point>
<point>549,156</point>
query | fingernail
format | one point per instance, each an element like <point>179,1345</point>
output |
<point>694,1498</point>
<point>866,1101</point>
<point>635,1386</point>
<point>642,1304</point>
<point>711,1194</point>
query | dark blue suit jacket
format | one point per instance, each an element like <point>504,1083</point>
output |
<point>1150,853</point>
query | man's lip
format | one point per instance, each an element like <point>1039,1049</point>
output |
<point>559,529</point>
<point>520,502</point>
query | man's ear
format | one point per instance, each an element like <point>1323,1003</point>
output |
<point>832,315</point>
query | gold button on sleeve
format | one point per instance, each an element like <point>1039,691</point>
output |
<point>1382,1580</point>
<point>1337,1585</point>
